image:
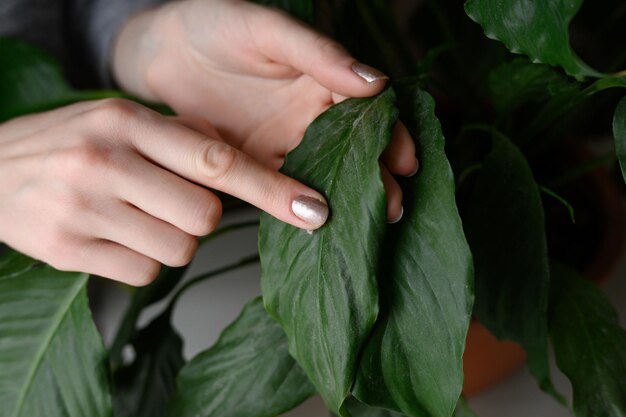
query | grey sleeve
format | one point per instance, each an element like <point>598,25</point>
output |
<point>95,24</point>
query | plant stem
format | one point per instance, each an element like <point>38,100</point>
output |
<point>563,201</point>
<point>226,229</point>
<point>207,275</point>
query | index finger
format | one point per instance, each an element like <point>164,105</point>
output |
<point>217,165</point>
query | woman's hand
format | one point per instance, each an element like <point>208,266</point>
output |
<point>259,76</point>
<point>114,189</point>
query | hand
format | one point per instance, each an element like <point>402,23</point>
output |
<point>259,76</point>
<point>113,188</point>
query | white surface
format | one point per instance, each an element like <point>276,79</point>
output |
<point>209,307</point>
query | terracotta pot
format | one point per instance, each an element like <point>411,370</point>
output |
<point>488,360</point>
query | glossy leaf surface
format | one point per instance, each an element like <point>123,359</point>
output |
<point>536,28</point>
<point>412,363</point>
<point>506,231</point>
<point>322,287</point>
<point>144,388</point>
<point>619,134</point>
<point>247,373</point>
<point>52,361</point>
<point>589,345</point>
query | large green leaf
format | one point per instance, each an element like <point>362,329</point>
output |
<point>619,133</point>
<point>589,345</point>
<point>412,363</point>
<point>31,80</point>
<point>144,388</point>
<point>322,287</point>
<point>52,361</point>
<point>536,28</point>
<point>515,83</point>
<point>463,409</point>
<point>247,373</point>
<point>506,231</point>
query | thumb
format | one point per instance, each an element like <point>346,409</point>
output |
<point>290,42</point>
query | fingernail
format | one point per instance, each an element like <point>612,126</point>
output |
<point>368,73</point>
<point>396,220</point>
<point>311,210</point>
<point>417,167</point>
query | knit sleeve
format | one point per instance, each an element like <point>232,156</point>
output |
<point>95,24</point>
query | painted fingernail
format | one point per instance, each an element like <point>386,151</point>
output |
<point>397,219</point>
<point>368,73</point>
<point>311,210</point>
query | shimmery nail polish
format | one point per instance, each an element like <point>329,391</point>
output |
<point>368,73</point>
<point>311,210</point>
<point>398,218</point>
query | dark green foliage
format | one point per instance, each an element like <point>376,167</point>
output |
<point>247,373</point>
<point>322,287</point>
<point>426,281</point>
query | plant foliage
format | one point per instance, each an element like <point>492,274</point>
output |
<point>371,316</point>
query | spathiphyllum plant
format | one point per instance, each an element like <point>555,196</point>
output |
<point>374,317</point>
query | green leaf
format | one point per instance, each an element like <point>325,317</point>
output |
<point>619,133</point>
<point>322,287</point>
<point>52,360</point>
<point>302,9</point>
<point>463,409</point>
<point>358,409</point>
<point>515,83</point>
<point>144,388</point>
<point>506,231</point>
<point>143,297</point>
<point>412,363</point>
<point>536,28</point>
<point>31,80</point>
<point>589,345</point>
<point>247,373</point>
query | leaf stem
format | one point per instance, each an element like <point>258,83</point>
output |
<point>207,275</point>
<point>563,201</point>
<point>226,229</point>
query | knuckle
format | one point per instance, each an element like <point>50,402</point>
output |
<point>144,273</point>
<point>75,162</point>
<point>217,160</point>
<point>327,46</point>
<point>185,249</point>
<point>59,252</point>
<point>207,214</point>
<point>113,111</point>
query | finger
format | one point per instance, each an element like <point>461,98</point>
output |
<point>113,261</point>
<point>166,196</point>
<point>288,41</point>
<point>217,165</point>
<point>147,235</point>
<point>394,196</point>
<point>199,124</point>
<point>399,157</point>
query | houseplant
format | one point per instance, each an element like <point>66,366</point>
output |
<point>388,307</point>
